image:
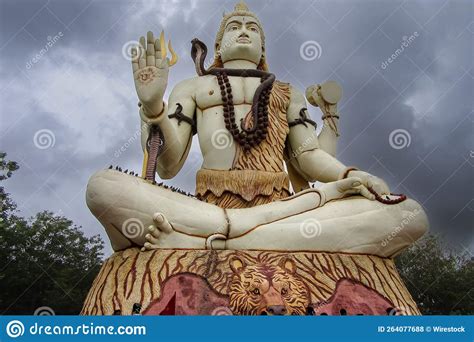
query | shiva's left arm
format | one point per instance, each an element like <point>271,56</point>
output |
<point>309,159</point>
<point>305,153</point>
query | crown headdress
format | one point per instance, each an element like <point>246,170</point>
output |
<point>240,9</point>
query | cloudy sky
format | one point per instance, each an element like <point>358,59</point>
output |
<point>68,102</point>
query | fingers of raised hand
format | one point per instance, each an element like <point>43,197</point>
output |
<point>148,53</point>
<point>157,52</point>
<point>159,61</point>
<point>150,49</point>
<point>135,57</point>
<point>142,53</point>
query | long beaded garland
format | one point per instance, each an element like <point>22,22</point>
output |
<point>247,137</point>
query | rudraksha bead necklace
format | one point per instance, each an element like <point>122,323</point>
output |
<point>245,137</point>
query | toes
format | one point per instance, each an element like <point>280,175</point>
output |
<point>148,246</point>
<point>150,238</point>
<point>159,218</point>
<point>166,227</point>
<point>154,231</point>
<point>162,223</point>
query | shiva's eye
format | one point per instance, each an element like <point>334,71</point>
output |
<point>254,29</point>
<point>234,28</point>
<point>256,292</point>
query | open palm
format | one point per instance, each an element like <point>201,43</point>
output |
<point>150,73</point>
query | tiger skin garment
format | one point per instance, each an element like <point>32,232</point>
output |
<point>258,176</point>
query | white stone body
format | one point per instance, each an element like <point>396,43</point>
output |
<point>312,220</point>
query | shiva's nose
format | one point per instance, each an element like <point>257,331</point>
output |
<point>278,310</point>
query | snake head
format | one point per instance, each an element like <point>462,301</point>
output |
<point>197,47</point>
<point>198,54</point>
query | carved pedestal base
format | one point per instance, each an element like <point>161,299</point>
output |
<point>203,282</point>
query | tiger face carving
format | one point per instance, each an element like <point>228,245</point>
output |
<point>265,289</point>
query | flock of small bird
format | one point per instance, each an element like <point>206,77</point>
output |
<point>163,185</point>
<point>172,188</point>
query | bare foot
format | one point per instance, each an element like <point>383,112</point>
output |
<point>162,235</point>
<point>156,231</point>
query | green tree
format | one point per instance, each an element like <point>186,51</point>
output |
<point>440,281</point>
<point>44,261</point>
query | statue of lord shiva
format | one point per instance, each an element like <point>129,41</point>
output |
<point>261,152</point>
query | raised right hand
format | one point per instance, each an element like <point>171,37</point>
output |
<point>150,73</point>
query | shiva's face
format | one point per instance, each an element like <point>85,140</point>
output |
<point>241,40</point>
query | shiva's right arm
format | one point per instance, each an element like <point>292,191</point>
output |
<point>176,122</point>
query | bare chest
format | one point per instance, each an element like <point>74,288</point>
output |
<point>208,93</point>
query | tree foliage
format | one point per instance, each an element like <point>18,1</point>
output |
<point>441,282</point>
<point>45,260</point>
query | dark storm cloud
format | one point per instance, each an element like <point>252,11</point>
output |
<point>81,89</point>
